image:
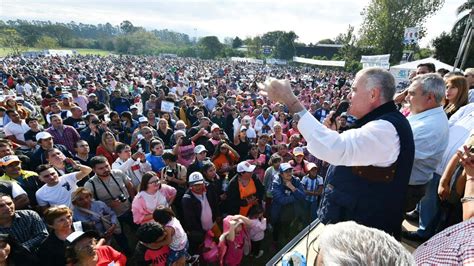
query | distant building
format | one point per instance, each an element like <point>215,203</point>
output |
<point>327,50</point>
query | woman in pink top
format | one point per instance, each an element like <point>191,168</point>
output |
<point>152,195</point>
<point>257,159</point>
<point>234,241</point>
<point>278,137</point>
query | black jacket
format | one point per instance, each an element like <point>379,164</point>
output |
<point>233,194</point>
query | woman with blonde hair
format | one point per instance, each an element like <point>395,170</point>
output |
<point>107,147</point>
<point>456,94</point>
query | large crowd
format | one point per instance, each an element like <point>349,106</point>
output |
<point>174,161</point>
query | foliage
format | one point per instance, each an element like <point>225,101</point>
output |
<point>46,42</point>
<point>237,42</point>
<point>285,46</point>
<point>385,22</point>
<point>10,38</point>
<point>254,47</point>
<point>447,44</point>
<point>326,41</point>
<point>466,6</point>
<point>209,47</point>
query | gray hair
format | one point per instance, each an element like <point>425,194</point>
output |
<point>349,243</point>
<point>432,82</point>
<point>380,78</point>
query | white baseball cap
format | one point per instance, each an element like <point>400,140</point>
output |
<point>245,167</point>
<point>199,148</point>
<point>195,179</point>
<point>215,126</point>
<point>285,166</point>
<point>43,135</point>
<point>142,119</point>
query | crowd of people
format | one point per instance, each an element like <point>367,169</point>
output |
<point>155,161</point>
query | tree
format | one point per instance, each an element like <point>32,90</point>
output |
<point>127,27</point>
<point>237,42</point>
<point>326,41</point>
<point>285,45</point>
<point>385,21</point>
<point>46,42</point>
<point>209,47</point>
<point>271,38</point>
<point>11,39</point>
<point>446,47</point>
<point>254,46</point>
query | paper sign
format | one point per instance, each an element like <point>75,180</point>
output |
<point>167,106</point>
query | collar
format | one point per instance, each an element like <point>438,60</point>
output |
<point>385,108</point>
<point>426,113</point>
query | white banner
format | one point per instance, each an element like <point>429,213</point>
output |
<point>411,35</point>
<point>376,61</point>
<point>319,62</point>
<point>247,60</point>
<point>274,61</point>
<point>167,106</point>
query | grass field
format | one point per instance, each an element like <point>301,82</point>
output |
<point>6,51</point>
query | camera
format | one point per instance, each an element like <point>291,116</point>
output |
<point>170,172</point>
<point>122,198</point>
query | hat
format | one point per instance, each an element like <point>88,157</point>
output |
<point>133,107</point>
<point>8,160</point>
<point>245,167</point>
<point>310,166</point>
<point>215,126</point>
<point>142,119</point>
<point>298,151</point>
<point>242,128</point>
<point>78,235</point>
<point>195,179</point>
<point>66,96</point>
<point>285,166</point>
<point>199,148</point>
<point>43,135</point>
<point>247,119</point>
<point>92,95</point>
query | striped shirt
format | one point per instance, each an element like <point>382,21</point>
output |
<point>67,136</point>
<point>312,185</point>
<point>27,228</point>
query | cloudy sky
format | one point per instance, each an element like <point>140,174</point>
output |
<point>311,20</point>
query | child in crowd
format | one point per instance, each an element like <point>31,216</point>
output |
<point>234,242</point>
<point>154,157</point>
<point>313,187</point>
<point>270,173</point>
<point>258,224</point>
<point>176,237</point>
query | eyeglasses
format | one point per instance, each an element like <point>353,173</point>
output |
<point>154,182</point>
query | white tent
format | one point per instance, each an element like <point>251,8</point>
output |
<point>401,72</point>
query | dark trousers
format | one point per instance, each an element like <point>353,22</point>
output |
<point>121,239</point>
<point>256,247</point>
<point>414,195</point>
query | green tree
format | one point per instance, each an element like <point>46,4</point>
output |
<point>326,41</point>
<point>285,46</point>
<point>385,21</point>
<point>254,46</point>
<point>209,47</point>
<point>237,42</point>
<point>270,38</point>
<point>10,38</point>
<point>127,27</point>
<point>46,42</point>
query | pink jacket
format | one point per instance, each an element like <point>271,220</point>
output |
<point>139,206</point>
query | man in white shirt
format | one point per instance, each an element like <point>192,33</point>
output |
<point>368,162</point>
<point>57,189</point>
<point>15,130</point>
<point>264,122</point>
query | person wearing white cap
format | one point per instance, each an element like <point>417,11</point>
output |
<point>313,187</point>
<point>287,202</point>
<point>200,159</point>
<point>299,163</point>
<point>46,142</point>
<point>96,107</point>
<point>28,180</point>
<point>200,208</point>
<point>216,133</point>
<point>245,190</point>
<point>246,122</point>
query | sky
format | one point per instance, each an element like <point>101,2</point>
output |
<point>310,20</point>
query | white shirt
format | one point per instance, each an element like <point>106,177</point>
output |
<point>259,124</point>
<point>59,194</point>
<point>17,190</point>
<point>376,143</point>
<point>17,130</point>
<point>251,133</point>
<point>461,124</point>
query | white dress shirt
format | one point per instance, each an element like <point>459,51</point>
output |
<point>376,143</point>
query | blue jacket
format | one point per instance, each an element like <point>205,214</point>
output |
<point>283,197</point>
